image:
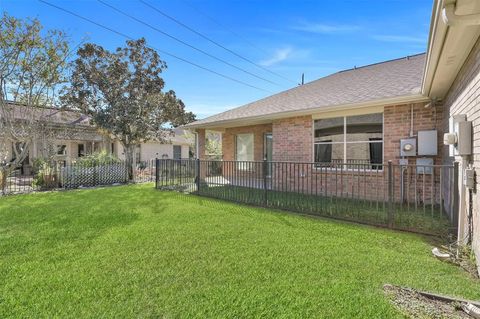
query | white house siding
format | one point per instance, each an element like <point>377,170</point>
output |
<point>464,98</point>
<point>151,150</point>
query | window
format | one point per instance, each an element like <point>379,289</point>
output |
<point>61,149</point>
<point>177,152</point>
<point>96,147</point>
<point>350,140</point>
<point>244,149</point>
<point>81,150</point>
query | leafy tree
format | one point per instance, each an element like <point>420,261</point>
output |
<point>123,93</point>
<point>213,145</point>
<point>32,66</point>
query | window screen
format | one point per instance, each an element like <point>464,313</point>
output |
<point>351,139</point>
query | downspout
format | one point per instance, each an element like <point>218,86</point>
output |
<point>451,19</point>
<point>196,145</point>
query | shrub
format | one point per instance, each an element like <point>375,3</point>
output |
<point>99,158</point>
<point>46,176</point>
<point>2,180</point>
<point>38,164</point>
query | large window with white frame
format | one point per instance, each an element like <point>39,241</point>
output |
<point>349,139</point>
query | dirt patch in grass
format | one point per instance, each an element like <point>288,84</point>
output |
<point>415,305</point>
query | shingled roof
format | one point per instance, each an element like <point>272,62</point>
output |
<point>376,82</point>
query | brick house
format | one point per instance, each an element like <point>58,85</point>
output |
<point>302,121</point>
<point>365,115</point>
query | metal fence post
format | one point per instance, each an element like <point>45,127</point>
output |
<point>157,173</point>
<point>455,192</point>
<point>95,173</point>
<point>265,189</point>
<point>197,173</point>
<point>391,191</point>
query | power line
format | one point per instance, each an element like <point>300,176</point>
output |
<point>188,3</point>
<point>213,41</point>
<point>162,51</point>
<point>183,42</point>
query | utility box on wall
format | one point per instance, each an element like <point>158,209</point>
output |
<point>427,143</point>
<point>408,147</point>
<point>459,138</point>
<point>424,165</point>
<point>464,144</point>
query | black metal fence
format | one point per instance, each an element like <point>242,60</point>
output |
<point>407,197</point>
<point>71,175</point>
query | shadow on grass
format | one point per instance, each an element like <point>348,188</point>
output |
<point>435,235</point>
<point>54,218</point>
<point>424,219</point>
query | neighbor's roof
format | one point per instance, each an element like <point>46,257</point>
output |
<point>54,115</point>
<point>385,80</point>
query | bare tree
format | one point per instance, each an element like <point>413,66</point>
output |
<point>32,65</point>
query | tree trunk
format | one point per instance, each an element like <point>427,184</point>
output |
<point>5,171</point>
<point>130,161</point>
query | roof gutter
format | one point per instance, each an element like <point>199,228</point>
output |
<point>451,19</point>
<point>453,33</point>
<point>436,41</point>
<point>267,118</point>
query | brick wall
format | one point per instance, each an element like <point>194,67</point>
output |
<point>293,139</point>
<point>228,140</point>
<point>397,120</point>
<point>293,142</point>
<point>463,98</point>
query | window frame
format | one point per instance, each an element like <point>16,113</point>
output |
<point>239,165</point>
<point>345,143</point>
<point>61,150</point>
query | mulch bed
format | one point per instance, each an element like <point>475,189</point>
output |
<point>415,305</point>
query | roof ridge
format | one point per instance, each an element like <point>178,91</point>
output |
<point>46,107</point>
<point>312,82</point>
<point>381,62</point>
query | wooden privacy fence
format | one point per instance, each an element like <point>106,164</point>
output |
<point>419,198</point>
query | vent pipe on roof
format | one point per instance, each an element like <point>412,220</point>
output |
<point>451,19</point>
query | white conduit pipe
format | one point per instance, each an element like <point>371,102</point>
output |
<point>411,120</point>
<point>451,19</point>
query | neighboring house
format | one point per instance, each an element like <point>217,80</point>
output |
<point>174,147</point>
<point>74,137</point>
<point>362,115</point>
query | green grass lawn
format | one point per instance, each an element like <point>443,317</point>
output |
<point>426,219</point>
<point>133,251</point>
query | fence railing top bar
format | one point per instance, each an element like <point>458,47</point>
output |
<point>321,164</point>
<point>423,165</point>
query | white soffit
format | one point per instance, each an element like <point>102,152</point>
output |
<point>449,47</point>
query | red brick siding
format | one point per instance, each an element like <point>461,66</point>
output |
<point>228,140</point>
<point>228,150</point>
<point>463,98</point>
<point>397,126</point>
<point>293,139</point>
